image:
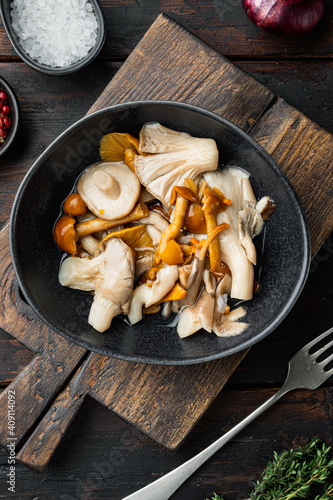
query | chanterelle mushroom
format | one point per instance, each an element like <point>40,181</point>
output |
<point>110,275</point>
<point>177,156</point>
<point>109,189</point>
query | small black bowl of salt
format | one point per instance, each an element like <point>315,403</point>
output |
<point>56,37</point>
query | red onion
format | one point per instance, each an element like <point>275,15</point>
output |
<point>285,17</point>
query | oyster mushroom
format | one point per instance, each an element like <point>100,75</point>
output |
<point>199,316</point>
<point>250,224</point>
<point>110,276</point>
<point>225,324</point>
<point>144,296</point>
<point>177,156</point>
<point>90,244</point>
<point>191,278</point>
<point>230,181</point>
<point>251,221</point>
<point>266,206</point>
<point>109,189</point>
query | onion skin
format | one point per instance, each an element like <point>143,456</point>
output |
<point>284,17</point>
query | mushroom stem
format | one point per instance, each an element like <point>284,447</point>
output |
<point>92,226</point>
<point>175,226</point>
<point>89,244</point>
<point>102,312</point>
<point>214,249</point>
<point>107,184</point>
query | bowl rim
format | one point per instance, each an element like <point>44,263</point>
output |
<point>43,68</point>
<point>139,358</point>
<point>15,123</point>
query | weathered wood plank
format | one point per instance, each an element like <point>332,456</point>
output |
<point>101,457</point>
<point>34,388</point>
<point>307,86</point>
<point>14,356</point>
<point>163,402</point>
<point>244,102</point>
<point>42,443</point>
<point>192,73</point>
<point>304,151</point>
<point>221,24</point>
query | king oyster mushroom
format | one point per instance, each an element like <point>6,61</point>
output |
<point>110,275</point>
<point>176,156</point>
<point>109,189</point>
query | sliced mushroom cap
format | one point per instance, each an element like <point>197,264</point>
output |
<point>177,156</point>
<point>109,189</point>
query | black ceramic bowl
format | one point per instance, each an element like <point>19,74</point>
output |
<point>14,105</point>
<point>5,10</point>
<point>283,247</point>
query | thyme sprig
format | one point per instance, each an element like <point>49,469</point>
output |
<point>292,473</point>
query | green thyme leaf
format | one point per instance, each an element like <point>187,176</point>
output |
<point>292,473</point>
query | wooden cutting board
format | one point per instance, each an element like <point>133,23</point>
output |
<point>164,402</point>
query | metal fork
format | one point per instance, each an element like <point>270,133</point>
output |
<point>304,372</point>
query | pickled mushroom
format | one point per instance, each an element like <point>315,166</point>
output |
<point>110,276</point>
<point>230,181</point>
<point>109,189</point>
<point>144,296</point>
<point>199,316</point>
<point>176,157</point>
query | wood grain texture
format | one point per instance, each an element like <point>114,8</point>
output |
<point>38,383</point>
<point>307,85</point>
<point>103,458</point>
<point>222,24</point>
<point>163,402</point>
<point>13,358</point>
<point>42,378</point>
<point>304,151</point>
<point>192,72</point>
<point>42,443</point>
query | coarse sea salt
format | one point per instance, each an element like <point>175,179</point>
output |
<point>57,33</point>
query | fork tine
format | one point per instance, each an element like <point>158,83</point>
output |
<point>321,350</point>
<point>318,339</point>
<point>329,372</point>
<point>326,361</point>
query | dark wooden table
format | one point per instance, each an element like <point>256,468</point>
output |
<point>101,456</point>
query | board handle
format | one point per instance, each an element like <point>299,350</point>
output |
<point>43,442</point>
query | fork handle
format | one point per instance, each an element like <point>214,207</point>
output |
<point>165,486</point>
